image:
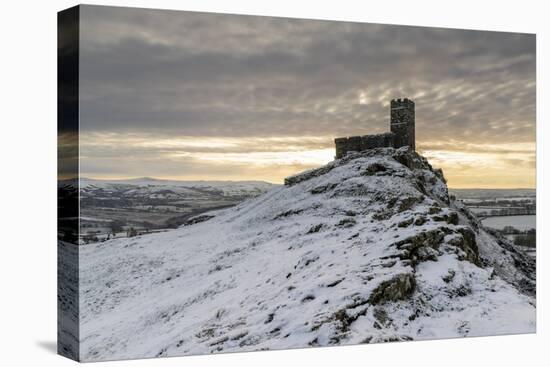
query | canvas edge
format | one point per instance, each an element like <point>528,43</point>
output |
<point>68,56</point>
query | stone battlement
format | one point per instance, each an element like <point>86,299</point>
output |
<point>402,133</point>
<point>360,143</point>
<point>401,103</point>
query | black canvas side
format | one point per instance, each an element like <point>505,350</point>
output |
<point>68,333</point>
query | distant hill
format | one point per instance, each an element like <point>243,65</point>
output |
<point>492,193</point>
<point>226,188</point>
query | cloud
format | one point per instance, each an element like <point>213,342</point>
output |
<point>177,75</point>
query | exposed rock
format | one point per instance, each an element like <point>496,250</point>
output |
<point>198,219</point>
<point>451,218</point>
<point>293,180</point>
<point>288,213</point>
<point>424,253</point>
<point>431,238</point>
<point>399,287</point>
<point>374,168</point>
<point>468,244</point>
<point>434,210</point>
<point>408,202</point>
<point>450,276</point>
<point>420,220</point>
<point>315,229</point>
<point>323,188</point>
<point>411,161</point>
<point>347,222</point>
<point>405,223</point>
<point>439,173</point>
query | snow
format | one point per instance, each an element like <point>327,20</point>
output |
<point>294,267</point>
<point>146,184</point>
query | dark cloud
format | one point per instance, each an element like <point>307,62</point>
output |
<point>213,74</point>
<point>172,73</point>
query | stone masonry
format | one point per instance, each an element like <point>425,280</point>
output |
<point>401,126</point>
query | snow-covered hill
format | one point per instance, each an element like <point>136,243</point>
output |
<point>368,248</point>
<point>153,185</point>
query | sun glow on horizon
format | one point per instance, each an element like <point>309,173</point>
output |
<point>271,159</point>
<point>487,166</point>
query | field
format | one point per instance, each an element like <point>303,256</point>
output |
<point>521,222</point>
<point>511,212</point>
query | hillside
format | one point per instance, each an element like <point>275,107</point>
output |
<point>366,249</point>
<point>110,207</point>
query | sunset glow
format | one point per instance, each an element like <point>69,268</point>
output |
<point>272,159</point>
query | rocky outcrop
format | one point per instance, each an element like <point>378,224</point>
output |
<point>397,288</point>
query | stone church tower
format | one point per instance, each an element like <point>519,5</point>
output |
<point>402,122</point>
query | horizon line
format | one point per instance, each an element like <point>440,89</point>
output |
<point>270,182</point>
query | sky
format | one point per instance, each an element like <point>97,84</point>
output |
<point>204,96</point>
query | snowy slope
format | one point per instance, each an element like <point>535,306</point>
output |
<point>365,249</point>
